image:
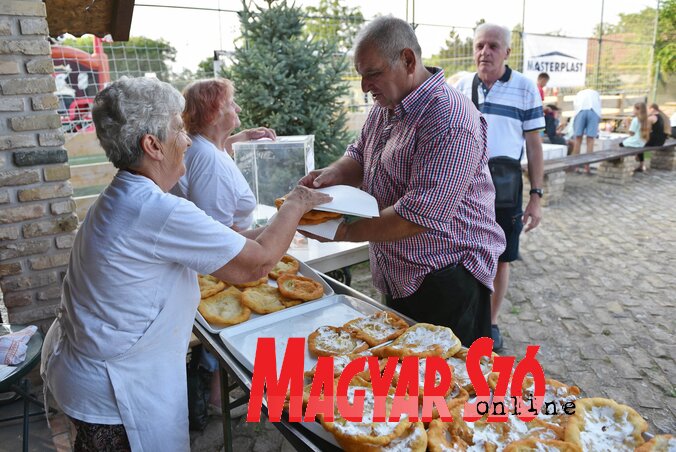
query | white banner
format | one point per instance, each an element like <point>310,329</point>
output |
<point>564,59</point>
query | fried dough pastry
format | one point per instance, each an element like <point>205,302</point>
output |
<point>253,283</point>
<point>422,367</point>
<point>296,287</point>
<point>332,341</point>
<point>288,264</point>
<point>549,445</point>
<point>262,299</point>
<point>603,424</point>
<point>339,363</point>
<point>313,216</point>
<point>224,308</point>
<point>440,439</point>
<point>459,364</point>
<point>423,339</point>
<point>209,285</point>
<point>377,328</point>
<point>555,391</point>
<point>659,443</point>
<point>414,439</point>
<point>353,434</point>
<point>454,400</point>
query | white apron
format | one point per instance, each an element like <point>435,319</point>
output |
<point>149,379</point>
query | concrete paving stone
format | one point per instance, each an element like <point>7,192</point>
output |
<point>640,358</point>
<point>667,366</point>
<point>661,382</point>
<point>624,367</point>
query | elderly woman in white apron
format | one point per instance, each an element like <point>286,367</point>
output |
<point>114,359</point>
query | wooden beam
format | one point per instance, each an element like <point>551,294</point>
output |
<point>120,22</point>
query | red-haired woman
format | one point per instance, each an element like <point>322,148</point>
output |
<point>212,181</point>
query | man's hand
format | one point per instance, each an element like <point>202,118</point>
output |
<point>533,213</point>
<point>320,178</point>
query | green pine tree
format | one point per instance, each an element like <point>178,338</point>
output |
<point>289,82</point>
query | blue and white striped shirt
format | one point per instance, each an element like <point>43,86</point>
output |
<point>511,107</point>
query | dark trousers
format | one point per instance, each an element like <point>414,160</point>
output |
<point>450,297</point>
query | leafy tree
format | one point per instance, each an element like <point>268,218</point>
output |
<point>332,21</point>
<point>457,54</point>
<point>665,47</point>
<point>288,81</point>
<point>205,68</point>
<point>134,58</point>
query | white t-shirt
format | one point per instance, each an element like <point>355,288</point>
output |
<point>214,183</point>
<point>587,99</point>
<point>136,253</point>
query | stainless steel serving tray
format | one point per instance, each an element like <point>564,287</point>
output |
<point>303,270</point>
<point>298,321</point>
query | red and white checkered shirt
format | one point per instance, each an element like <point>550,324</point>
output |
<point>429,160</point>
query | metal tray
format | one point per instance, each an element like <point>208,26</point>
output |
<point>304,270</point>
<point>298,321</point>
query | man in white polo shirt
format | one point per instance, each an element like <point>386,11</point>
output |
<point>512,107</point>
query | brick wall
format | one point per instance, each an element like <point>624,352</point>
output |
<point>37,219</point>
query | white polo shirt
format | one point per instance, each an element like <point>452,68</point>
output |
<point>511,107</point>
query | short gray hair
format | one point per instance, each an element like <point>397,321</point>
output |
<point>389,35</point>
<point>127,110</point>
<point>503,31</point>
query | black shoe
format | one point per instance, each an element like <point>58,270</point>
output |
<point>497,338</point>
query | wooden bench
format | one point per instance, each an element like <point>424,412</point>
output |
<point>617,166</point>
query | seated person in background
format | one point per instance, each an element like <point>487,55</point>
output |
<point>660,126</point>
<point>212,181</point>
<point>114,358</point>
<point>552,121</point>
<point>639,131</point>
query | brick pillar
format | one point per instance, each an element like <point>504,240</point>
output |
<point>617,171</point>
<point>553,186</point>
<point>37,222</point>
<point>664,160</point>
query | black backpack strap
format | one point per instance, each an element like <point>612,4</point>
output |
<point>475,91</point>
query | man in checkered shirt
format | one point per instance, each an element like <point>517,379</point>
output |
<point>422,154</point>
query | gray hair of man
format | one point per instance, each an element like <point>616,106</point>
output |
<point>504,32</point>
<point>130,108</point>
<point>389,36</point>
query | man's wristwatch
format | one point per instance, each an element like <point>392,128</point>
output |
<point>536,191</point>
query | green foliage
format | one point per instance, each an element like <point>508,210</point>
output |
<point>457,54</point>
<point>289,82</point>
<point>205,68</point>
<point>640,27</point>
<point>332,21</point>
<point>133,58</point>
<point>665,47</point>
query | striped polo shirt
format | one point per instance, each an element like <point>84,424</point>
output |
<point>428,160</point>
<point>511,107</point>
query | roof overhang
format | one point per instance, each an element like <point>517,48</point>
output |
<point>97,17</point>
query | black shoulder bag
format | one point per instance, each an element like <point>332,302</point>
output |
<point>505,171</point>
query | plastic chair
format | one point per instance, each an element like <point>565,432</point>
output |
<point>18,383</point>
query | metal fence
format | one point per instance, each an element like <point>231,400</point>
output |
<point>619,60</point>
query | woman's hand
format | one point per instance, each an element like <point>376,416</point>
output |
<point>249,135</point>
<point>305,199</point>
